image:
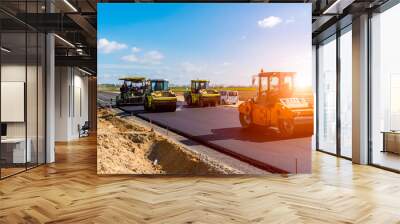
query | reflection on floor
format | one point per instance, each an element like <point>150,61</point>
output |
<point>387,159</point>
<point>12,169</point>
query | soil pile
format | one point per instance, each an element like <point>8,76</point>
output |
<point>124,147</point>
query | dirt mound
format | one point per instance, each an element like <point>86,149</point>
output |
<point>174,160</point>
<point>124,147</point>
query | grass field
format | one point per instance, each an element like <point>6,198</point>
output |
<point>108,88</point>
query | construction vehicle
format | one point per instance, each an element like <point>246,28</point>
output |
<point>131,91</point>
<point>229,97</point>
<point>201,95</point>
<point>278,105</point>
<point>158,96</point>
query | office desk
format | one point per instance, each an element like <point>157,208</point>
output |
<point>13,150</point>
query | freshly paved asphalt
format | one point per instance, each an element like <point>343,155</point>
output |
<point>219,128</point>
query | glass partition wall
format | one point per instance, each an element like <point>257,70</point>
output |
<point>334,84</point>
<point>385,89</point>
<point>22,107</point>
<point>345,62</point>
<point>327,95</point>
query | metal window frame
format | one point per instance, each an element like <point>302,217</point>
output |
<point>381,9</point>
<point>337,35</point>
<point>387,5</point>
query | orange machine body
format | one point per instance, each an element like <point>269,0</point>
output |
<point>278,104</point>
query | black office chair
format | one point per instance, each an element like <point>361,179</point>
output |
<point>84,130</point>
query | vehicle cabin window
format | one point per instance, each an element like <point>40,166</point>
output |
<point>223,93</point>
<point>154,86</point>
<point>203,85</point>
<point>273,83</point>
<point>193,86</point>
<point>159,85</point>
<point>288,83</point>
<point>264,84</point>
<point>232,93</point>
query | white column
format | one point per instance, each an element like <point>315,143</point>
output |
<point>63,101</point>
<point>314,88</point>
<point>50,99</point>
<point>360,90</point>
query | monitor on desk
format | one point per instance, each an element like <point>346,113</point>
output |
<point>3,130</point>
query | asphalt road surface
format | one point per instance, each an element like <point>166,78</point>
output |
<point>219,128</point>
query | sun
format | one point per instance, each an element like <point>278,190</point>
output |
<point>301,81</point>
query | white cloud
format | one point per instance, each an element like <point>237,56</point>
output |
<point>106,46</point>
<point>226,64</point>
<point>269,22</point>
<point>188,67</point>
<point>243,37</point>
<point>154,55</point>
<point>150,57</point>
<point>136,49</point>
<point>130,58</point>
<point>129,66</point>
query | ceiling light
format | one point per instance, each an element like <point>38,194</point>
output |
<point>65,41</point>
<point>86,72</point>
<point>79,51</point>
<point>5,50</point>
<point>70,5</point>
<point>338,6</point>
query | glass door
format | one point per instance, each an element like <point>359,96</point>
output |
<point>385,89</point>
<point>327,96</point>
<point>22,78</point>
<point>14,155</point>
<point>346,92</point>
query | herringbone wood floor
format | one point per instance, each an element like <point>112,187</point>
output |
<point>69,191</point>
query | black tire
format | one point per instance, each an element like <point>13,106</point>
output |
<point>201,103</point>
<point>189,100</point>
<point>172,108</point>
<point>146,105</point>
<point>245,120</point>
<point>153,108</point>
<point>286,128</point>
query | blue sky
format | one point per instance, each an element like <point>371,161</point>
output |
<point>225,43</point>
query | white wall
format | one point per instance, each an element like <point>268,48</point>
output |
<point>71,102</point>
<point>11,73</point>
<point>33,126</point>
<point>62,82</point>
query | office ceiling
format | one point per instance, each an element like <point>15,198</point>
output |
<point>74,22</point>
<point>332,15</point>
